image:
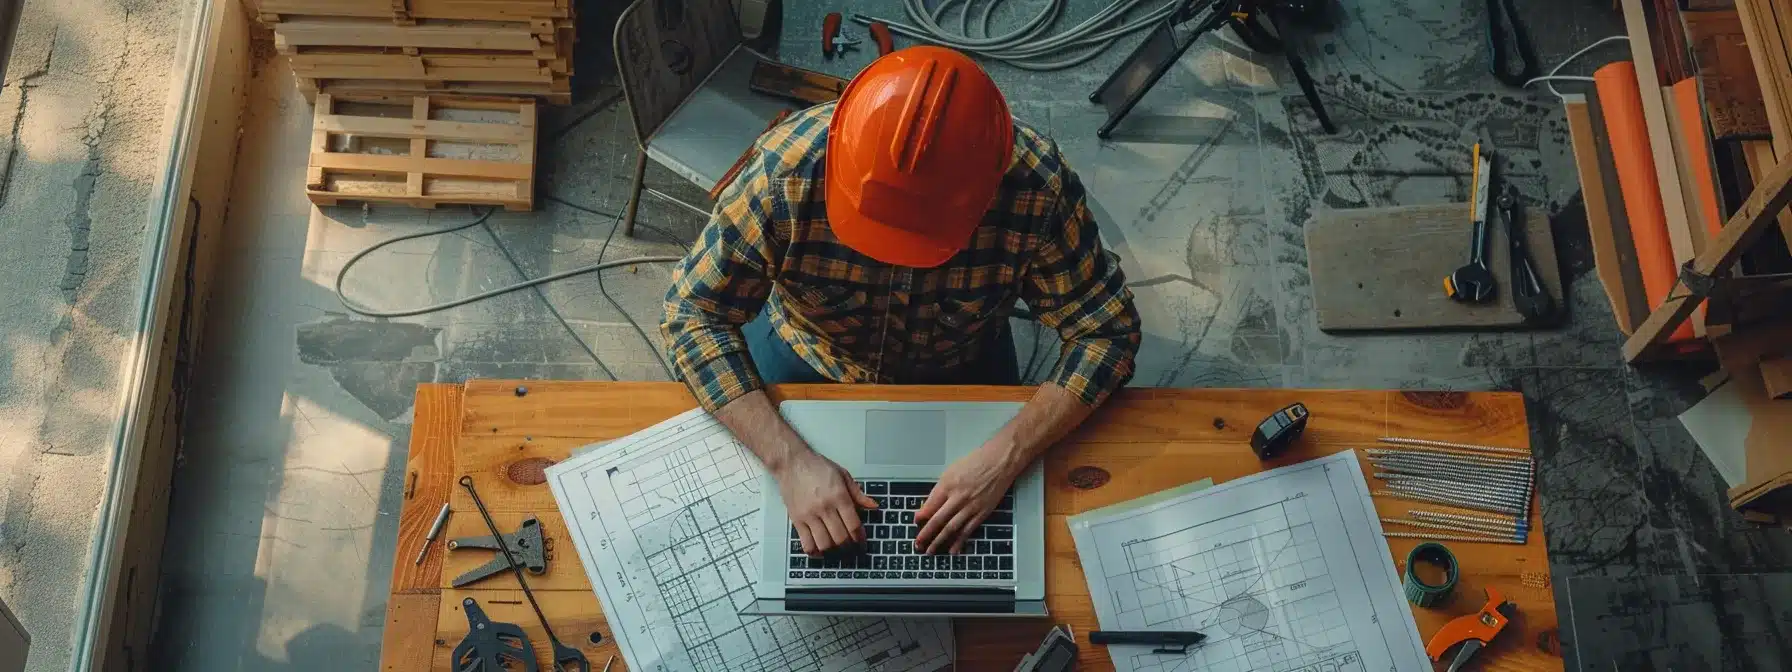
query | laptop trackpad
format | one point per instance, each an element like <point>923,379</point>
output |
<point>905,437</point>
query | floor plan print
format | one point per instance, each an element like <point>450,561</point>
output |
<point>667,522</point>
<point>1269,567</point>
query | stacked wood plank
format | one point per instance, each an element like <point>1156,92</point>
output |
<point>480,47</point>
<point>423,151</point>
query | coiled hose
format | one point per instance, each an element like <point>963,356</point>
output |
<point>1032,46</point>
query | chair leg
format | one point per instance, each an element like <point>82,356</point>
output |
<point>634,195</point>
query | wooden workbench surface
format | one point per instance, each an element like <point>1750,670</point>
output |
<point>1144,440</point>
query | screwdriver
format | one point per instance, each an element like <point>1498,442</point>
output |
<point>434,531</point>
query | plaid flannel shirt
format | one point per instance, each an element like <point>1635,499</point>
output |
<point>858,320</point>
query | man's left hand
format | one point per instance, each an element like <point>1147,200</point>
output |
<point>966,493</point>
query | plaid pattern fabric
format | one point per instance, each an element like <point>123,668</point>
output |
<point>858,320</point>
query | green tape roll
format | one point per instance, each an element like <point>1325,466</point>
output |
<point>1424,594</point>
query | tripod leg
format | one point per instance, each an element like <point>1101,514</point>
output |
<point>1312,92</point>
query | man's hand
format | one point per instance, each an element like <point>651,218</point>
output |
<point>823,501</point>
<point>964,496</point>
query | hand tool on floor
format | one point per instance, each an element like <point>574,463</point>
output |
<point>880,34</point>
<point>1528,293</point>
<point>1424,593</point>
<point>1473,632</point>
<point>492,647</point>
<point>834,39</point>
<point>528,542</point>
<point>1502,20</point>
<point>566,658</point>
<point>1473,283</point>
<point>435,530</point>
<point>1278,430</point>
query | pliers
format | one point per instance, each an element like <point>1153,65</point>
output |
<point>1501,19</point>
<point>1528,293</point>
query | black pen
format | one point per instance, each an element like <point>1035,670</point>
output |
<point>1168,641</point>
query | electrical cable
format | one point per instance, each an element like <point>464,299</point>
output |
<point>409,312</point>
<point>651,346</point>
<point>518,267</point>
<point>1551,76</point>
<point>1032,46</point>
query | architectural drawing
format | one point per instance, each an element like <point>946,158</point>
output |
<point>667,522</point>
<point>1283,571</point>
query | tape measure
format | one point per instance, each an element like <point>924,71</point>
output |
<point>1424,594</point>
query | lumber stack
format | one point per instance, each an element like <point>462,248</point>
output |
<point>476,47</point>
<point>422,151</point>
<point>1681,177</point>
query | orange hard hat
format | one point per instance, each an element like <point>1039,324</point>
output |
<point>916,150</point>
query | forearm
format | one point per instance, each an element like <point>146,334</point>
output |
<point>1050,415</point>
<point>756,423</point>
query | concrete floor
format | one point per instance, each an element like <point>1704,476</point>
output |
<point>287,498</point>
<point>82,138</point>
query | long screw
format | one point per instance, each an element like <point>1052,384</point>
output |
<point>1406,458</point>
<point>1452,537</point>
<point>1439,456</point>
<point>1402,441</point>
<point>1515,486</point>
<point>1454,454</point>
<point>1479,528</point>
<point>1449,501</point>
<point>1509,522</point>
<point>1515,498</point>
<point>1509,496</point>
<point>1449,528</point>
<point>565,657</point>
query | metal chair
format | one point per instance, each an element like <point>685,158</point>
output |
<point>684,72</point>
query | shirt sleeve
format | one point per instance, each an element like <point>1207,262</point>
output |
<point>721,285</point>
<point>1077,288</point>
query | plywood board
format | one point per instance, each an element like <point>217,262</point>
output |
<point>1726,75</point>
<point>1383,268</point>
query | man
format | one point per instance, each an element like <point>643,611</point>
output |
<point>885,239</point>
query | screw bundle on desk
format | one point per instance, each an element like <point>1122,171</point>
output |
<point>1490,480</point>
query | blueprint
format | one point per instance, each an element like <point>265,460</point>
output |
<point>666,522</point>
<point>1285,571</point>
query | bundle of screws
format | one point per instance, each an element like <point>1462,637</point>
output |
<point>1494,480</point>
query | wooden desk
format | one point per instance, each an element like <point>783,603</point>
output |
<point>1143,441</point>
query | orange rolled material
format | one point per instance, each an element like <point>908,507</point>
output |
<point>1698,153</point>
<point>1622,104</point>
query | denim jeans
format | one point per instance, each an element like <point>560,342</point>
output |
<point>778,362</point>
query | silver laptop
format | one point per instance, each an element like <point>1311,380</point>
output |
<point>897,450</point>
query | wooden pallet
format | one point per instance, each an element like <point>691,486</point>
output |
<point>401,159</point>
<point>406,11</point>
<point>558,92</point>
<point>474,47</point>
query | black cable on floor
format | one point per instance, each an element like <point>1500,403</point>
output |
<point>544,296</point>
<point>653,347</point>
<point>675,240</point>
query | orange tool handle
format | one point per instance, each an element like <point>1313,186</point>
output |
<point>1482,625</point>
<point>880,33</point>
<point>830,28</point>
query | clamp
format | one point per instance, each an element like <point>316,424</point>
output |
<point>835,41</point>
<point>1472,632</point>
<point>527,543</point>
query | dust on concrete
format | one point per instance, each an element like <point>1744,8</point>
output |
<point>83,113</point>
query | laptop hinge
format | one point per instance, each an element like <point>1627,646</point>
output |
<point>901,600</point>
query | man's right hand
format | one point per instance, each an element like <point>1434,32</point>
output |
<point>823,501</point>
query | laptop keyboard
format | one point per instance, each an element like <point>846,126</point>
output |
<point>889,552</point>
